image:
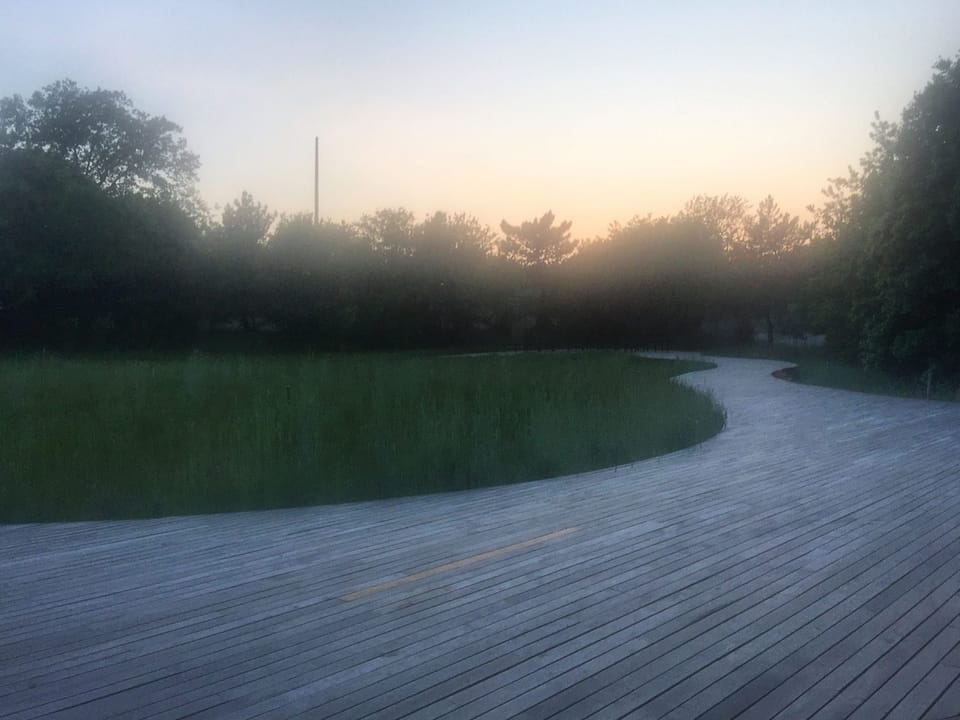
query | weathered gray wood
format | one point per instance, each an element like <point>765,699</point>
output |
<point>805,561</point>
<point>633,623</point>
<point>380,683</point>
<point>945,705</point>
<point>648,673</point>
<point>856,650</point>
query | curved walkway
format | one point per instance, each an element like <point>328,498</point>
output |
<point>804,562</point>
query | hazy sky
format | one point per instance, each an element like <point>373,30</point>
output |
<point>598,110</point>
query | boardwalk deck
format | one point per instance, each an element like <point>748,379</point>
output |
<point>803,563</point>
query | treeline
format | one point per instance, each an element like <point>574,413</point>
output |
<point>104,243</point>
<point>84,269</point>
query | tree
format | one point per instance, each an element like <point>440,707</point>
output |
<point>303,246</point>
<point>78,265</point>
<point>909,303</point>
<point>537,243</point>
<point>762,248</point>
<point>389,231</point>
<point>458,234</point>
<point>245,224</point>
<point>771,236</point>
<point>312,270</point>
<point>726,217</point>
<point>764,259</point>
<point>892,235</point>
<point>122,149</point>
<point>453,262</point>
<point>651,281</point>
<point>238,241</point>
<point>56,229</point>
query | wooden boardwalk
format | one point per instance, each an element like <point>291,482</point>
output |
<point>803,563</point>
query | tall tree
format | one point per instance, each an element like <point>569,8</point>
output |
<point>79,265</point>
<point>56,230</point>
<point>765,259</point>
<point>457,234</point>
<point>245,224</point>
<point>122,149</point>
<point>726,217</point>
<point>771,235</point>
<point>389,231</point>
<point>238,243</point>
<point>906,225</point>
<point>312,272</point>
<point>537,243</point>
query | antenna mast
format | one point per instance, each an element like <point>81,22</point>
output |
<point>316,180</point>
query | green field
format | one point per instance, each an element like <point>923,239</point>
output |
<point>119,438</point>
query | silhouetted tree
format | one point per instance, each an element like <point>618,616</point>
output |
<point>55,230</point>
<point>762,248</point>
<point>79,266</point>
<point>121,148</point>
<point>652,281</point>
<point>766,259</point>
<point>537,243</point>
<point>726,217</point>
<point>314,273</point>
<point>455,235</point>
<point>237,245</point>
<point>389,231</point>
<point>245,225</point>
<point>900,237</point>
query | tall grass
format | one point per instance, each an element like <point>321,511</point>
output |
<point>113,438</point>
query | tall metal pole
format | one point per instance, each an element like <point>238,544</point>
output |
<point>316,180</point>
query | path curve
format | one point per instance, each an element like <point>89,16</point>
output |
<point>804,562</point>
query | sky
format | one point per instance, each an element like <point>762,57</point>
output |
<point>598,111</point>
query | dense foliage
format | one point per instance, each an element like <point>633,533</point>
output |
<point>97,249</point>
<point>891,240</point>
<point>122,149</point>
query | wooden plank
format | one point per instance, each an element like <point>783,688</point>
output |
<point>379,685</point>
<point>836,658</point>
<point>946,706</point>
<point>722,642</point>
<point>622,669</point>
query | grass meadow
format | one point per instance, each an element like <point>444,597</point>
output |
<point>119,438</point>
